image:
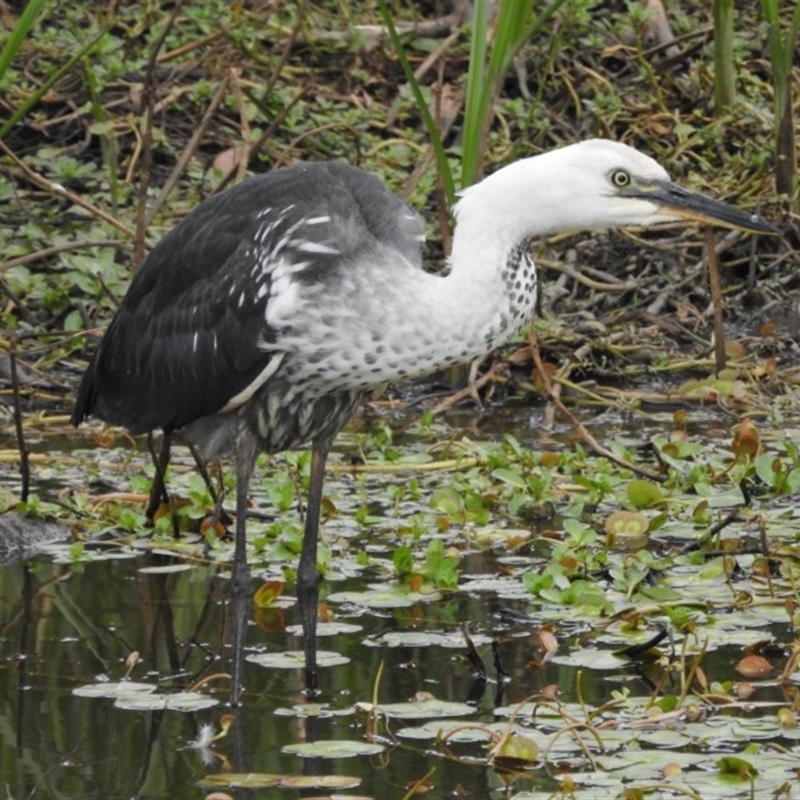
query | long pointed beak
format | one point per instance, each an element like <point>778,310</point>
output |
<point>674,199</point>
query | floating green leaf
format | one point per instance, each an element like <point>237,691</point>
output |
<point>243,780</point>
<point>114,689</point>
<point>333,748</point>
<point>426,709</point>
<point>295,659</point>
<point>447,501</point>
<point>178,701</point>
<point>644,494</point>
<point>731,765</point>
<point>385,597</point>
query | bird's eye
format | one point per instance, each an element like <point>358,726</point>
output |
<point>620,178</point>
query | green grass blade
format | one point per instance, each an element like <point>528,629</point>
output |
<point>781,52</point>
<point>443,165</point>
<point>34,98</point>
<point>475,109</point>
<point>516,23</point>
<point>18,35</point>
<point>724,74</point>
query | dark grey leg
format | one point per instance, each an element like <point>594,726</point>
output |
<point>158,489</point>
<point>240,580</point>
<point>307,572</point>
<point>203,470</point>
<point>157,486</point>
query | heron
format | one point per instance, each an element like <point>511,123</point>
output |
<point>262,320</point>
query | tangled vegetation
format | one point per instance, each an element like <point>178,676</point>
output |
<point>117,118</point>
<point>118,122</point>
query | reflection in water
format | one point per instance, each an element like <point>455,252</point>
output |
<point>66,626</point>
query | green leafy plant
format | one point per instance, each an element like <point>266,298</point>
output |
<point>438,570</point>
<point>432,129</point>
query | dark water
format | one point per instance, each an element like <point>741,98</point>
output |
<point>64,625</point>
<point>67,626</point>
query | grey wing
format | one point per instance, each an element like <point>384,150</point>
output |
<point>389,219</point>
<point>200,327</point>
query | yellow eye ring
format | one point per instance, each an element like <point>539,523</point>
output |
<point>620,178</point>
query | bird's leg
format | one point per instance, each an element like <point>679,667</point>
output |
<point>307,572</point>
<point>217,495</point>
<point>245,461</point>
<point>158,489</point>
<point>157,486</point>
<point>203,470</point>
<point>246,451</point>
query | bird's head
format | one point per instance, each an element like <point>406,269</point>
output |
<point>592,185</point>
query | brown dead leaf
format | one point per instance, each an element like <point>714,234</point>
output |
<point>754,667</point>
<point>746,440</point>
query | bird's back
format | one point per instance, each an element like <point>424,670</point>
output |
<point>201,324</point>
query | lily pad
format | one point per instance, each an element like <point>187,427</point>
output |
<point>319,782</point>
<point>241,780</point>
<point>113,689</point>
<point>590,658</point>
<point>64,553</point>
<point>451,639</point>
<point>179,701</point>
<point>384,597</point>
<point>500,585</point>
<point>425,709</point>
<point>333,748</point>
<point>333,628</point>
<point>295,659</point>
<point>319,710</point>
<point>454,730</point>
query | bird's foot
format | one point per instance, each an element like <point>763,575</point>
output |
<point>311,692</point>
